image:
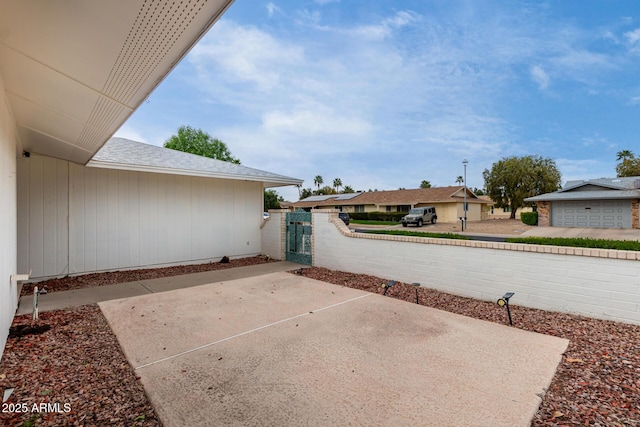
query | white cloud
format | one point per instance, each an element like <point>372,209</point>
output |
<point>633,36</point>
<point>386,27</point>
<point>271,9</point>
<point>540,77</point>
<point>314,123</point>
<point>245,54</point>
<point>323,2</point>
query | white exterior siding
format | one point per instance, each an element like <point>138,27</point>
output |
<point>8,221</point>
<point>123,219</point>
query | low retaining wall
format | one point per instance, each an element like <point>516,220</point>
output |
<point>592,282</point>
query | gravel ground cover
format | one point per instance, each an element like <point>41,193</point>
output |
<point>123,276</point>
<point>78,361</point>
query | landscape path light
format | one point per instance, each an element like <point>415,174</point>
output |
<point>416,285</point>
<point>504,302</point>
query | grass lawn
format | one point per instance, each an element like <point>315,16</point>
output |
<point>420,234</point>
<point>574,242</point>
<point>367,222</point>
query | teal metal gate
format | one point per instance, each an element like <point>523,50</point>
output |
<point>298,244</point>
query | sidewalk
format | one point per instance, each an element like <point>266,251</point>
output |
<point>77,297</point>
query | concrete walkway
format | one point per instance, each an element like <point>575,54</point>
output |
<point>77,297</point>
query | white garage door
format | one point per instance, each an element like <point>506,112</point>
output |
<point>597,214</point>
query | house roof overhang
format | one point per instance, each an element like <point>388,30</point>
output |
<point>73,72</point>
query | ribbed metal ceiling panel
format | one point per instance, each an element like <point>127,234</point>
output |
<point>74,71</point>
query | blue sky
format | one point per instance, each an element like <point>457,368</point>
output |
<point>384,94</point>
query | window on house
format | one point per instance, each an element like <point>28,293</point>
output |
<point>403,208</point>
<point>359,208</point>
<point>506,209</point>
<point>388,209</point>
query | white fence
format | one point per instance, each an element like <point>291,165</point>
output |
<point>596,283</point>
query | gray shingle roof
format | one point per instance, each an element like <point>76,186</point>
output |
<point>625,183</point>
<point>612,188</point>
<point>121,153</point>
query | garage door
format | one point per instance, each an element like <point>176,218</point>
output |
<point>597,214</point>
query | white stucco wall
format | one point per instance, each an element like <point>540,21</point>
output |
<point>8,255</point>
<point>273,234</point>
<point>596,283</point>
<point>75,219</point>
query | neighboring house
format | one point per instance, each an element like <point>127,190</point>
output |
<point>136,205</point>
<point>70,75</point>
<point>598,203</point>
<point>448,201</point>
<point>494,212</point>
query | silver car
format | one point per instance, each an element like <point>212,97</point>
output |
<point>419,216</point>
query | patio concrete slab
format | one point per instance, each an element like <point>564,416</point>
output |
<point>77,297</point>
<point>281,349</point>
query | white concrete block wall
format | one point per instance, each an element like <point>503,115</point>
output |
<point>273,234</point>
<point>8,217</point>
<point>596,283</point>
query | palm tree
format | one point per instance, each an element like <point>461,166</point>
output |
<point>459,179</point>
<point>624,155</point>
<point>337,183</point>
<point>348,189</point>
<point>425,184</point>
<point>318,181</point>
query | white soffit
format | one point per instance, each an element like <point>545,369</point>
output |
<point>75,70</point>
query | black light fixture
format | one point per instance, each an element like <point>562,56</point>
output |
<point>26,154</point>
<point>387,285</point>
<point>504,302</point>
<point>416,285</point>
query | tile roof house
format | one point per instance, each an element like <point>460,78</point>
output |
<point>448,201</point>
<point>597,203</point>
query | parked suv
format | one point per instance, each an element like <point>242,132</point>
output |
<point>419,216</point>
<point>344,217</point>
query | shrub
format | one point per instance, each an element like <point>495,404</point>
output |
<point>579,242</point>
<point>529,218</point>
<point>420,234</point>
<point>377,216</point>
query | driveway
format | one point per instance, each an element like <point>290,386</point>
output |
<point>280,349</point>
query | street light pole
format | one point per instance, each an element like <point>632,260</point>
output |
<point>464,207</point>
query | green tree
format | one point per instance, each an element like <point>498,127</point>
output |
<point>459,179</point>
<point>318,181</point>
<point>337,183</point>
<point>197,141</point>
<point>628,164</point>
<point>624,154</point>
<point>348,189</point>
<point>478,191</point>
<point>326,190</point>
<point>513,179</point>
<point>272,200</point>
<point>306,192</point>
<point>425,184</point>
